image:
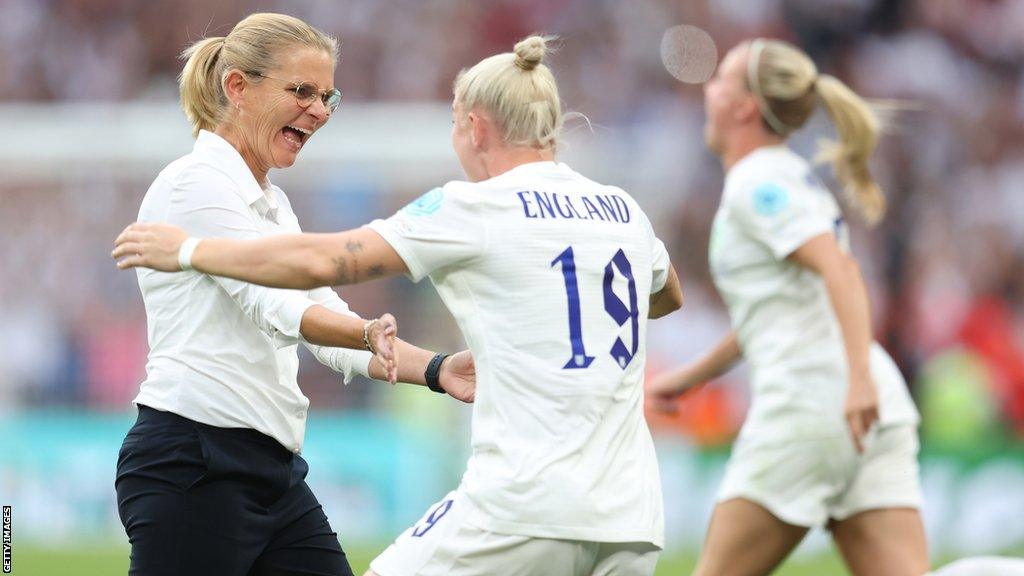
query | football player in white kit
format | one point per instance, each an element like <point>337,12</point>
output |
<point>551,278</point>
<point>831,435</point>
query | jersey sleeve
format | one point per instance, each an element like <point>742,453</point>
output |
<point>442,228</point>
<point>782,215</point>
<point>660,262</point>
<point>661,265</point>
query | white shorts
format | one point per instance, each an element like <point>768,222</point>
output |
<point>443,543</point>
<point>808,482</point>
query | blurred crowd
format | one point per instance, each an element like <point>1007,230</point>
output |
<point>946,267</point>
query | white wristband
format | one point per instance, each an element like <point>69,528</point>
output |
<point>185,252</point>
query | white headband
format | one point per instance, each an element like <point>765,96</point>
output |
<point>766,111</point>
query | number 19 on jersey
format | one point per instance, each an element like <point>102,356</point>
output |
<point>613,305</point>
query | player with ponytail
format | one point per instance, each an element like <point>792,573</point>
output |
<point>830,438</point>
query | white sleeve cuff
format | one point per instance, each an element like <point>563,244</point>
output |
<point>796,238</point>
<point>346,362</point>
<point>661,267</point>
<point>360,364</point>
<point>287,319</point>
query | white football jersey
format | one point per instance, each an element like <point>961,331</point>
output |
<point>548,275</point>
<point>784,319</point>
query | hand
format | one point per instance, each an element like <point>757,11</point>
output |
<point>861,409</point>
<point>458,376</point>
<point>381,336</point>
<point>663,389</point>
<point>150,246</point>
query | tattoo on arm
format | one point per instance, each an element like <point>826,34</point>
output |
<point>346,266</point>
<point>341,275</point>
<point>354,247</point>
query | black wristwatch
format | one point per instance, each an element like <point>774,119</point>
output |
<point>433,372</point>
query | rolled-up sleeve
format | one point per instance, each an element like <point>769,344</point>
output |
<point>205,204</point>
<point>345,361</point>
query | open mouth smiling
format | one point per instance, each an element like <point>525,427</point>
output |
<point>295,135</point>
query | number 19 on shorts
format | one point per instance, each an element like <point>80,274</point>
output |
<point>613,305</point>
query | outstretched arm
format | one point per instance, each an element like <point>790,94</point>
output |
<point>666,387</point>
<point>301,261</point>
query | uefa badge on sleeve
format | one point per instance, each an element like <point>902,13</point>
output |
<point>426,204</point>
<point>770,199</point>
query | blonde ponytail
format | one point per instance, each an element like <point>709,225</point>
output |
<point>202,97</point>
<point>253,47</point>
<point>857,127</point>
<point>787,87</point>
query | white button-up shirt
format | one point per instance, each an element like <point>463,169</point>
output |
<point>223,352</point>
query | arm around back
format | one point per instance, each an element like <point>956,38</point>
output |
<point>300,261</point>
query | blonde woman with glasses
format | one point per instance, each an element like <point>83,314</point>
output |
<point>210,479</point>
<point>551,277</point>
<point>831,435</point>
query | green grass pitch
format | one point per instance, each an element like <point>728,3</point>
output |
<point>108,561</point>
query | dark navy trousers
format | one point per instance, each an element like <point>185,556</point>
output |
<point>196,500</point>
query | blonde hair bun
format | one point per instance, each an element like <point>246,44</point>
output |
<point>530,52</point>
<point>519,92</point>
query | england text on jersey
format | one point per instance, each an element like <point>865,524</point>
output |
<point>604,207</point>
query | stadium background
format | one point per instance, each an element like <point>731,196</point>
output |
<point>88,102</point>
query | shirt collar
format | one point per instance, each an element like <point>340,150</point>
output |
<point>225,156</point>
<point>762,151</point>
<point>539,167</point>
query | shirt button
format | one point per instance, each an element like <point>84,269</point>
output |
<point>300,414</point>
<point>295,448</point>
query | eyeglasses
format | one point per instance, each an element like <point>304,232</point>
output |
<point>307,92</point>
